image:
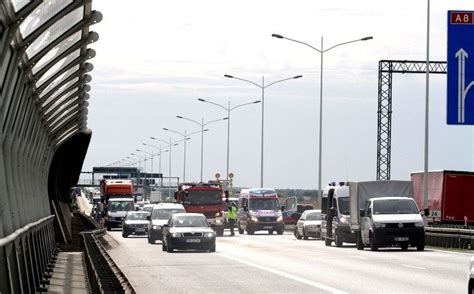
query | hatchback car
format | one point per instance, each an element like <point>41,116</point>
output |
<point>135,222</point>
<point>188,231</point>
<point>309,224</point>
<point>160,215</point>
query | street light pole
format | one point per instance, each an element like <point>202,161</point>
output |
<point>321,51</point>
<point>202,125</point>
<point>263,87</point>
<point>228,109</point>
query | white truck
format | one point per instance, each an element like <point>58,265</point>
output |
<point>384,213</point>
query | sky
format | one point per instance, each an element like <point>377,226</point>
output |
<point>156,58</point>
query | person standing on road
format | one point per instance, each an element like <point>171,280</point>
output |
<point>231,217</point>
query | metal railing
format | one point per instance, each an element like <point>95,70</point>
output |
<point>446,237</point>
<point>103,274</point>
<point>27,256</point>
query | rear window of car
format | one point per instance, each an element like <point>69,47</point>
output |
<point>166,213</point>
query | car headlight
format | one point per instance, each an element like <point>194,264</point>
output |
<point>155,227</point>
<point>209,234</point>
<point>254,218</point>
<point>175,235</point>
<point>419,224</point>
<point>218,213</point>
<point>280,219</point>
<point>344,220</point>
<point>380,225</point>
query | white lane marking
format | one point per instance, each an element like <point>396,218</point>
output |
<point>360,257</point>
<point>412,266</point>
<point>287,275</point>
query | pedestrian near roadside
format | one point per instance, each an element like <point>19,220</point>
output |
<point>231,217</point>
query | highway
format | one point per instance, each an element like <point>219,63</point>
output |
<point>281,264</point>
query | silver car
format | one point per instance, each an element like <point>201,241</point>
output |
<point>136,223</point>
<point>160,215</point>
<point>309,224</point>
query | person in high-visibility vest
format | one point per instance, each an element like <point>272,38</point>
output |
<point>232,216</point>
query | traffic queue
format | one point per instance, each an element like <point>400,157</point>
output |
<point>370,214</point>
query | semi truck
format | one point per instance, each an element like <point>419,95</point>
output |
<point>205,198</point>
<point>117,196</point>
<point>384,213</point>
<point>450,195</point>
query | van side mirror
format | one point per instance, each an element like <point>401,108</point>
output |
<point>176,195</point>
<point>427,212</point>
<point>332,212</point>
<point>148,218</point>
<point>362,213</point>
<point>245,208</point>
<point>282,208</point>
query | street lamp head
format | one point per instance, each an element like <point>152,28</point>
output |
<point>205,130</point>
<point>202,100</point>
<point>229,76</point>
<point>277,36</point>
<point>145,144</point>
<point>298,76</point>
<point>225,118</point>
<point>258,101</point>
<point>175,144</point>
<point>137,150</point>
<point>367,38</point>
<point>179,116</point>
<point>166,129</point>
<point>153,138</point>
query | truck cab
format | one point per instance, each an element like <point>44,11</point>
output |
<point>389,221</point>
<point>203,198</point>
<point>335,224</point>
<point>259,211</point>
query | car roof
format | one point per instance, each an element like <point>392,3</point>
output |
<point>392,198</point>
<point>138,212</point>
<point>187,214</point>
<point>312,210</point>
<point>167,205</point>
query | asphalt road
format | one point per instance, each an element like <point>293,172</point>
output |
<point>281,264</point>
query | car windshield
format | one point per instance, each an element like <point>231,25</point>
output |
<point>190,221</point>
<point>165,213</point>
<point>263,204</point>
<point>314,216</point>
<point>115,206</point>
<point>148,208</point>
<point>343,203</point>
<point>395,206</point>
<point>136,216</point>
<point>203,197</point>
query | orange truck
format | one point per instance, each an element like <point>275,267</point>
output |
<point>117,195</point>
<point>203,198</point>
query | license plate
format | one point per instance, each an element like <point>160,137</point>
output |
<point>268,227</point>
<point>401,238</point>
<point>140,230</point>
<point>193,240</point>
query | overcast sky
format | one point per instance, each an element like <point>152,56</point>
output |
<point>156,58</point>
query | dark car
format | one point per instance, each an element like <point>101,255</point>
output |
<point>188,231</point>
<point>135,222</point>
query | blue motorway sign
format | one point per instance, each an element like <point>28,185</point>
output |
<point>460,68</point>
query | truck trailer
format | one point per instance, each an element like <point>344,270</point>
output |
<point>117,195</point>
<point>450,195</point>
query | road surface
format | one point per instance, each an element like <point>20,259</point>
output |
<point>281,264</point>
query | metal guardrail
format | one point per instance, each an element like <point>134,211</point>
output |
<point>27,256</point>
<point>449,237</point>
<point>103,274</point>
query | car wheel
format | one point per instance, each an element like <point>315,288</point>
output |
<point>151,240</point>
<point>169,247</point>
<point>250,231</point>
<point>109,228</point>
<point>298,236</point>
<point>213,248</point>
<point>404,246</point>
<point>281,231</point>
<point>420,247</point>
<point>327,242</point>
<point>359,244</point>
<point>337,240</point>
<point>373,244</point>
<point>220,232</point>
<point>163,246</point>
<point>270,232</point>
<point>241,231</point>
<point>471,286</point>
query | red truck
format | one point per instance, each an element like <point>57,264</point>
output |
<point>203,198</point>
<point>117,195</point>
<point>450,195</point>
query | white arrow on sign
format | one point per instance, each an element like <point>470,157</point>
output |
<point>462,55</point>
